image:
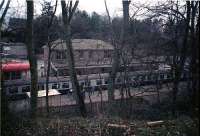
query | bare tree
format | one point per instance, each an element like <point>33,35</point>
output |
<point>32,57</point>
<point>118,45</point>
<point>115,63</point>
<point>176,15</point>
<point>50,21</point>
<point>194,58</point>
<point>4,11</point>
<point>67,14</point>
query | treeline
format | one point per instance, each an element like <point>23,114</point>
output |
<point>83,26</point>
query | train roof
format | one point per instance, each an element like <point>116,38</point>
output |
<point>15,66</point>
<point>42,93</point>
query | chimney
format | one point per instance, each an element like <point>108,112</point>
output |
<point>126,15</point>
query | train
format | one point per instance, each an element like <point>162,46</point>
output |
<point>92,82</point>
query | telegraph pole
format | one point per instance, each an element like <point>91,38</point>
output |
<point>126,24</point>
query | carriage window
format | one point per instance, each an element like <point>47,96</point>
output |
<point>13,90</point>
<point>106,81</point>
<point>87,83</point>
<point>15,75</point>
<point>40,87</point>
<point>55,86</point>
<point>65,85</point>
<point>161,76</point>
<point>149,77</point>
<point>168,76</point>
<point>81,83</point>
<point>134,78</point>
<point>26,89</point>
<point>154,77</point>
<point>142,78</point>
<point>118,80</point>
<point>99,82</point>
<point>7,75</point>
<point>185,75</point>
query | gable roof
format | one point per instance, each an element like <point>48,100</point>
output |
<point>83,44</point>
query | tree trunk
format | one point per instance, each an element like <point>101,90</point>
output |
<point>32,58</point>
<point>175,91</point>
<point>4,13</point>
<point>115,64</point>
<point>194,57</point>
<point>179,66</point>
<point>47,79</point>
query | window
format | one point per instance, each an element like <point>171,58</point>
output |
<point>80,54</point>
<point>149,77</point>
<point>99,82</point>
<point>63,72</point>
<point>134,78</point>
<point>65,85</point>
<point>40,87</point>
<point>60,55</point>
<point>63,55</point>
<point>15,75</point>
<point>13,90</point>
<point>154,77</point>
<point>118,80</point>
<point>106,81</point>
<point>55,86</point>
<point>6,75</point>
<point>88,83</point>
<point>139,77</point>
<point>142,77</point>
<point>90,54</point>
<point>82,83</point>
<point>26,89</point>
<point>107,54</point>
<point>168,76</point>
<point>161,77</point>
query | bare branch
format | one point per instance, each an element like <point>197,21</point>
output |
<point>1,5</point>
<point>73,10</point>
<point>4,12</point>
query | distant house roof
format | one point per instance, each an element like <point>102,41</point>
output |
<point>17,49</point>
<point>83,44</point>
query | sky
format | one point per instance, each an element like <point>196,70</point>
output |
<point>114,6</point>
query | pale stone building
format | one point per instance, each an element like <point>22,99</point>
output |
<point>91,57</point>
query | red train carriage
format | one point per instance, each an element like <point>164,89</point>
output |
<point>15,70</point>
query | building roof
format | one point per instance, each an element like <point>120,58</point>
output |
<point>15,66</point>
<point>83,44</point>
<point>17,49</point>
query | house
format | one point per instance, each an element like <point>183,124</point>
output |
<point>91,56</point>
